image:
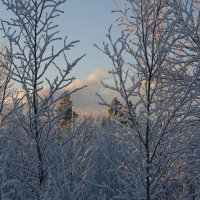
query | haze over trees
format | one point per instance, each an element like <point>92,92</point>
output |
<point>146,148</point>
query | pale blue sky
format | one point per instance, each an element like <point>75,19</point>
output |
<point>87,21</point>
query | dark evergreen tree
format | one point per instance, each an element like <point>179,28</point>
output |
<point>66,108</point>
<point>115,107</point>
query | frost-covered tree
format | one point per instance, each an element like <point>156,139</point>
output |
<point>102,180</point>
<point>5,107</point>
<point>74,154</point>
<point>145,70</point>
<point>65,107</point>
<point>187,15</point>
<point>116,105</point>
<point>32,159</point>
<point>5,85</point>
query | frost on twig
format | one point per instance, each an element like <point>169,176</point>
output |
<point>154,67</point>
<point>34,51</point>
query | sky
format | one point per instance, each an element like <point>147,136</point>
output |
<point>87,21</point>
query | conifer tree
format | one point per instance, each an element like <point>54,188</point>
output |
<point>65,109</point>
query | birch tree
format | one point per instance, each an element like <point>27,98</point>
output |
<point>146,72</point>
<point>187,15</point>
<point>5,110</point>
<point>33,38</point>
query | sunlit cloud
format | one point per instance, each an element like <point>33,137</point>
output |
<point>86,100</point>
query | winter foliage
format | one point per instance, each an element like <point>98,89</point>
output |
<point>146,148</point>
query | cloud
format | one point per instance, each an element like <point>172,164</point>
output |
<point>92,80</point>
<point>86,100</point>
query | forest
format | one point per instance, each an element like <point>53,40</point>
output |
<point>147,146</point>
